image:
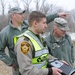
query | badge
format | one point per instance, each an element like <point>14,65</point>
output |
<point>25,46</point>
<point>55,45</point>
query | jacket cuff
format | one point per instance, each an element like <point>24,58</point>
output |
<point>50,72</point>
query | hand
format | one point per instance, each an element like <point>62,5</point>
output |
<point>56,71</point>
<point>14,66</point>
<point>64,62</point>
<point>63,14</point>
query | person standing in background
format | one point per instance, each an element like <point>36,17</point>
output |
<point>59,42</point>
<point>15,27</point>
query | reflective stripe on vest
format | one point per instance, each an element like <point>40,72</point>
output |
<point>41,52</point>
<point>16,38</point>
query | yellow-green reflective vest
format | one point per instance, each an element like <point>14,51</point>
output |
<point>41,52</point>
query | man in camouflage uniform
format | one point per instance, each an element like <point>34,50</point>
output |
<point>59,42</point>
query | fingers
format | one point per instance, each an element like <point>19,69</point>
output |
<point>64,62</point>
<point>60,71</point>
<point>63,14</point>
<point>56,71</point>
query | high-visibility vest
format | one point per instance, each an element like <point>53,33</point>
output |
<point>41,52</point>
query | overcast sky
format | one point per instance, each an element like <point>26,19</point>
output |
<point>66,4</point>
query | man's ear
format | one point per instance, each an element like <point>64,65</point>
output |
<point>35,23</point>
<point>55,27</point>
<point>13,15</point>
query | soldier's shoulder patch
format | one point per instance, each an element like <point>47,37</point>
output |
<point>25,47</point>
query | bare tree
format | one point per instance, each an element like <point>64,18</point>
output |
<point>71,20</point>
<point>3,18</point>
<point>3,4</point>
<point>42,5</point>
<point>37,3</point>
<point>17,3</point>
<point>14,3</point>
<point>26,6</point>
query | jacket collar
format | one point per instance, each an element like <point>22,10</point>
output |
<point>52,38</point>
<point>24,25</point>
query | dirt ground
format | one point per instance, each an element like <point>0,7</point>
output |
<point>4,69</point>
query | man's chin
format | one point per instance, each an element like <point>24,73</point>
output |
<point>63,35</point>
<point>42,33</point>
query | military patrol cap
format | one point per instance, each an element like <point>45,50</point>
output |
<point>16,10</point>
<point>61,23</point>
